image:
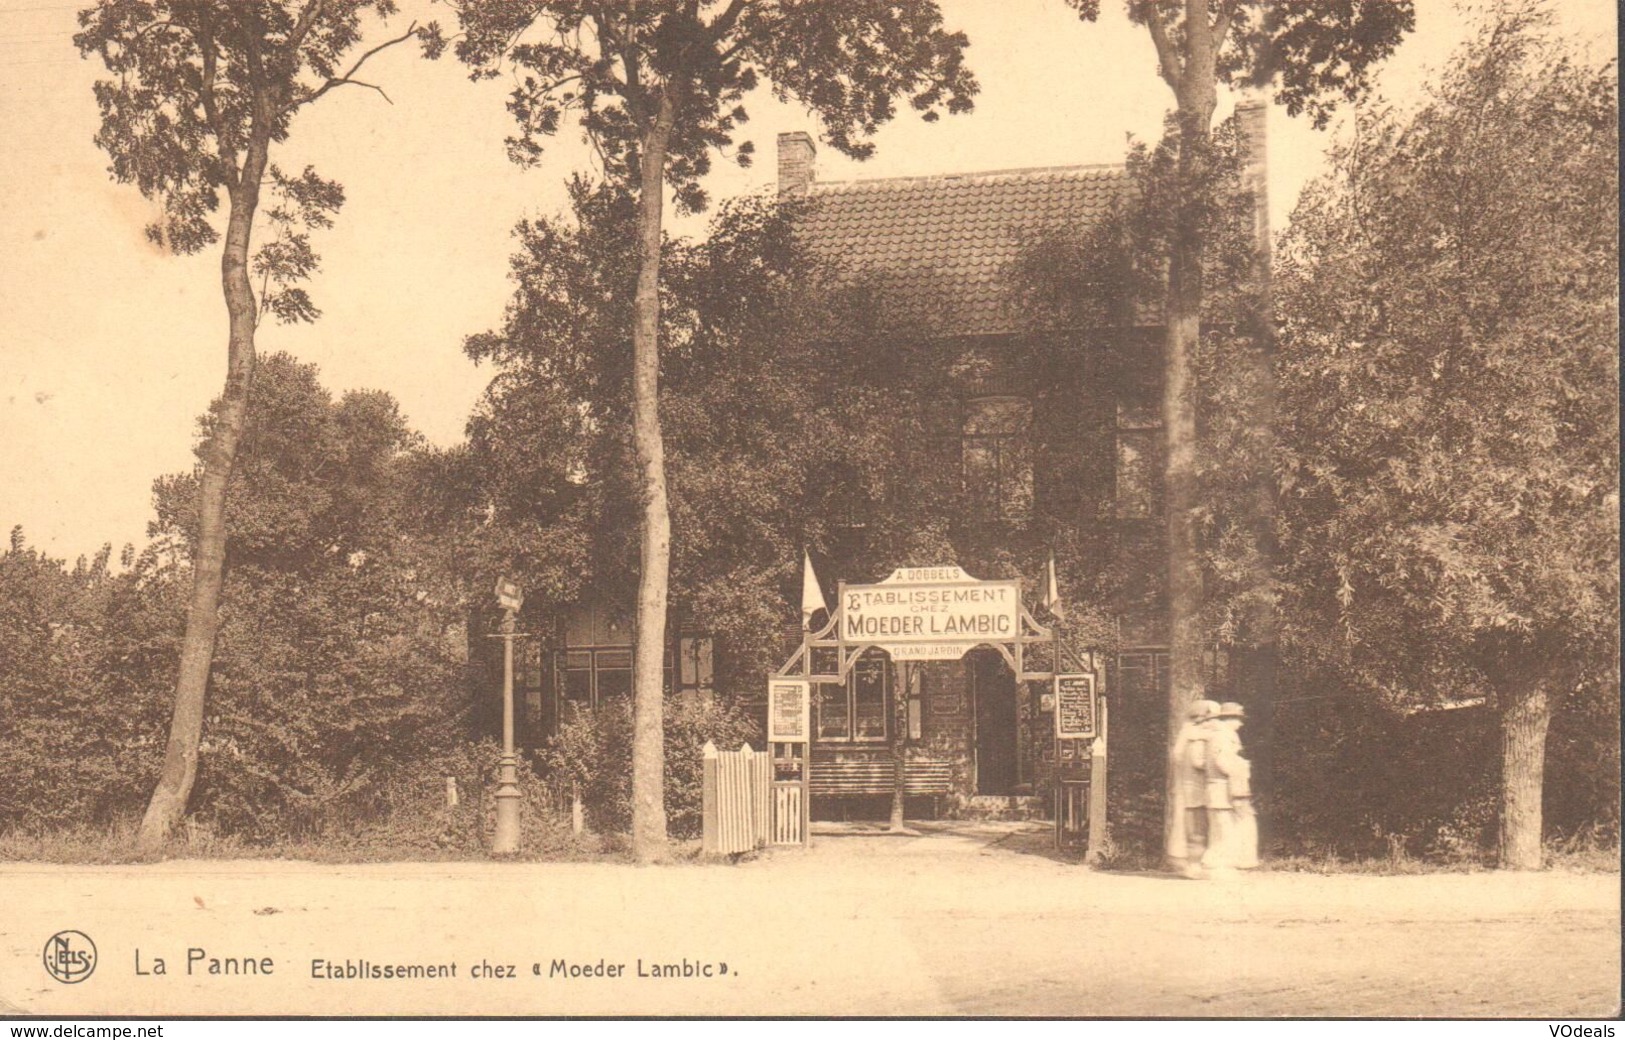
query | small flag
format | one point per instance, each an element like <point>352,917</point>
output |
<point>812,596</point>
<point>1052,591</point>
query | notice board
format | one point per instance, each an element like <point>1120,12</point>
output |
<point>1075,707</point>
<point>789,714</point>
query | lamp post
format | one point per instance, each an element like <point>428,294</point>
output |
<point>506,842</point>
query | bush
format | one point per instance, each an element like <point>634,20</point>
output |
<point>593,754</point>
<point>85,656</point>
<point>408,817</point>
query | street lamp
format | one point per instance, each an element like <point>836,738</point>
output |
<point>506,842</point>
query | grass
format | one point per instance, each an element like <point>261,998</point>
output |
<point>1380,866</point>
<point>116,844</point>
<point>1594,851</point>
<point>549,839</point>
<point>80,843</point>
<point>1591,851</point>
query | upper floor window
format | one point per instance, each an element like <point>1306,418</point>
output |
<point>1140,452</point>
<point>996,458</point>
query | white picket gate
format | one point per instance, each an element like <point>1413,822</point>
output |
<point>736,800</point>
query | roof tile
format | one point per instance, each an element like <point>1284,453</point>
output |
<point>943,245</point>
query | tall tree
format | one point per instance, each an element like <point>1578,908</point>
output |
<point>201,92</point>
<point>1312,51</point>
<point>335,668</point>
<point>659,85</point>
<point>1450,399</point>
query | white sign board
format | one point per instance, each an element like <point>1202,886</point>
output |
<point>930,613</point>
<point>509,596</point>
<point>789,711</point>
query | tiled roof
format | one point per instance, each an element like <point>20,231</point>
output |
<point>940,248</point>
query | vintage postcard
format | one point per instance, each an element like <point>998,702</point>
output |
<point>745,508</point>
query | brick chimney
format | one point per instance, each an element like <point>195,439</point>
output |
<point>1251,119</point>
<point>796,154</point>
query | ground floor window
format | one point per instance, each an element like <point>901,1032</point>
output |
<point>1143,676</point>
<point>592,677</point>
<point>857,710</point>
<point>589,678</point>
<point>696,664</point>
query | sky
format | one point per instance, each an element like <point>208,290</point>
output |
<point>109,350</point>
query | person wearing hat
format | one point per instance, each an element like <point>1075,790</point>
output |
<point>1188,828</point>
<point>1232,827</point>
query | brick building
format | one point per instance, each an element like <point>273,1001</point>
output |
<point>1067,451</point>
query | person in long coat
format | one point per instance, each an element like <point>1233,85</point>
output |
<point>1232,827</point>
<point>1188,830</point>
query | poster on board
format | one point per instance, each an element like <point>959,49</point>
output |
<point>1075,707</point>
<point>789,716</point>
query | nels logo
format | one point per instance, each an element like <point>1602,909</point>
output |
<point>70,956</point>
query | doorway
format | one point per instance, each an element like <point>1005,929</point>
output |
<point>993,690</point>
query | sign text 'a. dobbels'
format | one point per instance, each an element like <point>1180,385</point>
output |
<point>931,605</point>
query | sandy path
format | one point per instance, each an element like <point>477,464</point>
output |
<point>973,922</point>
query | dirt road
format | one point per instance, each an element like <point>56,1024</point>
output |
<point>974,920</point>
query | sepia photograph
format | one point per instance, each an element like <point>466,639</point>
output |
<point>741,509</point>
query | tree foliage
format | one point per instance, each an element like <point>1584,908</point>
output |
<point>1450,452</point>
<point>339,668</point>
<point>656,87</point>
<point>773,389</point>
<point>201,93</point>
<point>85,656</point>
<point>1453,457</point>
<point>339,660</point>
<point>1312,51</point>
<point>613,65</point>
<point>196,84</point>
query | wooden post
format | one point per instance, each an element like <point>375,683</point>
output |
<point>761,794</point>
<point>708,800</point>
<point>1058,791</point>
<point>899,713</point>
<point>806,791</point>
<point>1097,793</point>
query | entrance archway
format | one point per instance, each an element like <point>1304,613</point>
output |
<point>957,653</point>
<point>994,736</point>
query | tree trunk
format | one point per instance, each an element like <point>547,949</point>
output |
<point>1179,490</point>
<point>1525,715</point>
<point>899,742</point>
<point>1183,321</point>
<point>649,650</point>
<point>1197,97</point>
<point>179,771</point>
<point>1263,654</point>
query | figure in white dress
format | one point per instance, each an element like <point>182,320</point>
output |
<point>1188,829</point>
